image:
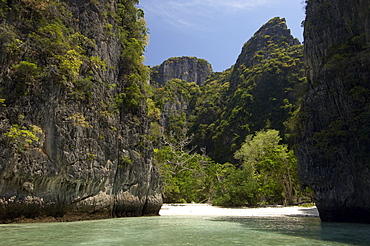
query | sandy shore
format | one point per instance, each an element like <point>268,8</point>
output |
<point>204,209</point>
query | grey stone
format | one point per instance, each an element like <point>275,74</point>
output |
<point>76,169</point>
<point>334,141</point>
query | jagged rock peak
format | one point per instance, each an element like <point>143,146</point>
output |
<point>274,32</point>
<point>190,69</point>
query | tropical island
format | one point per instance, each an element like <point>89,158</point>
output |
<point>88,131</point>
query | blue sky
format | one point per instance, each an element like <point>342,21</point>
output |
<point>214,30</point>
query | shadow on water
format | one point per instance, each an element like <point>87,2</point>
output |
<point>307,212</point>
<point>308,227</point>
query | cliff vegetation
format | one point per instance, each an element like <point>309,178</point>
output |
<point>207,130</point>
<point>334,131</point>
<point>73,116</point>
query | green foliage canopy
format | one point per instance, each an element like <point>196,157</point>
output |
<point>275,166</point>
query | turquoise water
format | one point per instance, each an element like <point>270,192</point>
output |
<point>188,230</point>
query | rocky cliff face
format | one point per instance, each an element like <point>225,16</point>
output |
<point>257,93</point>
<point>271,35</point>
<point>190,69</point>
<point>72,116</point>
<point>335,136</point>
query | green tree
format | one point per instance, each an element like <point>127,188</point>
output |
<point>26,73</point>
<point>237,187</point>
<point>275,166</point>
<point>22,137</point>
<point>187,176</point>
<point>181,174</point>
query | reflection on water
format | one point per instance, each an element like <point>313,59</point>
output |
<point>188,230</point>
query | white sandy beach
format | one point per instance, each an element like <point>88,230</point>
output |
<point>205,209</point>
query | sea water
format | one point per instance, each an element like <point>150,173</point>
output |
<point>188,230</point>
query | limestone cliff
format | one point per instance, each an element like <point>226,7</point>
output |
<point>73,119</point>
<point>271,35</point>
<point>335,133</point>
<point>190,69</point>
<point>258,92</point>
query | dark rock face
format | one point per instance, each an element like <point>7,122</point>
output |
<point>68,148</point>
<point>190,69</point>
<point>335,136</point>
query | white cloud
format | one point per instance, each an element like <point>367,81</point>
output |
<point>188,13</point>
